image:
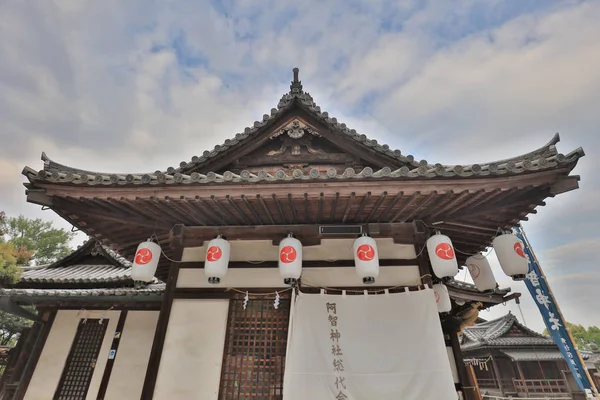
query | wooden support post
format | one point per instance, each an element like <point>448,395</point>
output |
<point>474,383</point>
<point>421,234</point>
<point>36,352</point>
<point>465,385</point>
<point>163,317</point>
<point>498,377</point>
<point>522,377</point>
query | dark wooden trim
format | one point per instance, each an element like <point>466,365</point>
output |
<point>80,338</point>
<point>78,304</point>
<point>421,232</point>
<point>460,366</point>
<point>163,322</point>
<point>225,346</point>
<point>35,354</point>
<point>111,361</point>
<point>307,264</point>
<point>193,236</point>
<point>222,293</point>
<point>227,293</point>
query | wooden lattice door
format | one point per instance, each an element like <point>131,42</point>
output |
<point>81,362</point>
<point>255,346</point>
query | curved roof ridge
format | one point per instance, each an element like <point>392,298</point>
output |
<point>90,246</point>
<point>51,165</point>
<point>549,149</point>
<point>399,165</point>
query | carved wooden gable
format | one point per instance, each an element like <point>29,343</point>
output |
<point>296,144</point>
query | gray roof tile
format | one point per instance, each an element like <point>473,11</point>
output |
<point>544,158</point>
<point>492,334</point>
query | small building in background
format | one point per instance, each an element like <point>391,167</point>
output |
<point>510,359</point>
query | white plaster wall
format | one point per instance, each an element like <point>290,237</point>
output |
<point>190,366</point>
<point>318,276</point>
<point>329,249</point>
<point>58,344</point>
<point>453,364</point>
<point>129,370</point>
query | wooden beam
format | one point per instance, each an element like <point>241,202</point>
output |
<point>306,264</point>
<point>194,236</point>
<point>48,318</point>
<point>162,325</point>
<point>421,234</point>
<point>111,361</point>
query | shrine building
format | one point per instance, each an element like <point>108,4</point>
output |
<point>297,207</point>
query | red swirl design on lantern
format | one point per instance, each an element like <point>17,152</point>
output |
<point>214,253</point>
<point>365,252</point>
<point>519,249</point>
<point>143,256</point>
<point>444,251</point>
<point>288,254</point>
<point>474,270</point>
<point>437,297</point>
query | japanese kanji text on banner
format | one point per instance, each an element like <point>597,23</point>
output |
<point>374,347</point>
<point>542,295</point>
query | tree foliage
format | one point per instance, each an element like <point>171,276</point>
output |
<point>24,241</point>
<point>36,241</point>
<point>9,271</point>
<point>585,339</point>
<point>11,326</point>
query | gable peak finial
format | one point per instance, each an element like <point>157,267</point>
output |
<point>296,86</point>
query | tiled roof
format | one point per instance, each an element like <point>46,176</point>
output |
<point>107,266</point>
<point>153,289</point>
<point>491,334</point>
<point>544,158</point>
<point>530,355</point>
<point>469,287</point>
<point>76,273</point>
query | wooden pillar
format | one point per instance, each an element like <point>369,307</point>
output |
<point>474,383</point>
<point>465,384</point>
<point>163,317</point>
<point>36,352</point>
<point>522,376</point>
<point>421,234</point>
<point>498,376</point>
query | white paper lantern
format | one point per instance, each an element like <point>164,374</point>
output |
<point>145,262</point>
<point>290,260</point>
<point>511,255</point>
<point>442,256</point>
<point>442,298</point>
<point>366,259</point>
<point>481,273</point>
<point>217,259</point>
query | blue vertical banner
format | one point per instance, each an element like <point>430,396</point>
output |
<point>542,295</point>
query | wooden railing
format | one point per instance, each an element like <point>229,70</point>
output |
<point>540,386</point>
<point>507,384</point>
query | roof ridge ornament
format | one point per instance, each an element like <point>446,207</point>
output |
<point>296,86</point>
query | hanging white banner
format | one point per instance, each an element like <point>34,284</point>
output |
<point>376,347</point>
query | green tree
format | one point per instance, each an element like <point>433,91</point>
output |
<point>36,240</point>
<point>585,339</point>
<point>11,326</point>
<point>9,271</point>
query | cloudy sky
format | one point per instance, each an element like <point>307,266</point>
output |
<point>142,85</point>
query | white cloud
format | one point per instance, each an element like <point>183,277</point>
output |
<point>101,86</point>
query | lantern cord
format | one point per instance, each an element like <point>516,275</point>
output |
<point>260,294</point>
<point>374,291</point>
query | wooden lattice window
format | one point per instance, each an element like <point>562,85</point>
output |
<point>255,346</point>
<point>80,364</point>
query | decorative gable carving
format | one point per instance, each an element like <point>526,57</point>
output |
<point>297,144</point>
